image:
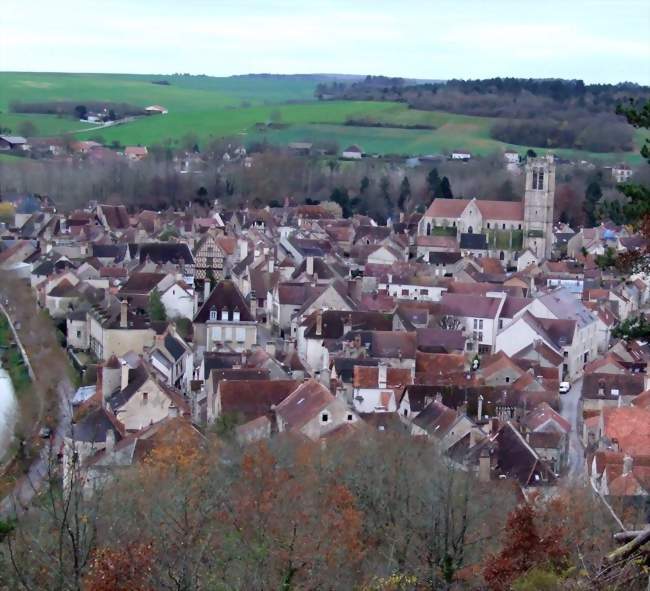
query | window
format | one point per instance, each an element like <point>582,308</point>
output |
<point>405,292</point>
<point>216,333</point>
<point>540,179</point>
<point>213,314</point>
<point>500,323</point>
<point>507,379</point>
<point>502,256</point>
<point>224,314</point>
<point>241,335</point>
<point>235,316</point>
<point>519,227</point>
<point>488,225</point>
<point>324,418</point>
<point>424,292</point>
<point>78,334</point>
<point>480,323</point>
<point>145,397</point>
<point>350,416</point>
<point>504,226</point>
<point>226,333</point>
<point>406,412</point>
<point>475,322</point>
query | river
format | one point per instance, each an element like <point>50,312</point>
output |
<point>8,411</point>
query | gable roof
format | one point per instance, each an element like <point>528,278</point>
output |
<point>253,398</point>
<point>303,404</point>
<point>224,296</point>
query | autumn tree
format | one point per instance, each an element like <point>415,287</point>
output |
<point>525,547</point>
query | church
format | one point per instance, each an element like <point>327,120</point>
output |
<point>499,229</point>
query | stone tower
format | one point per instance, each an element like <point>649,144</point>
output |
<point>538,205</point>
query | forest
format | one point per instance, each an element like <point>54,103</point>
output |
<point>380,188</point>
<point>549,113</point>
<point>371,512</point>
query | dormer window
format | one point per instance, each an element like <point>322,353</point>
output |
<point>325,418</point>
<point>213,313</point>
<point>224,314</point>
<point>235,315</point>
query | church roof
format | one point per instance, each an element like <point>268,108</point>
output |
<point>490,210</point>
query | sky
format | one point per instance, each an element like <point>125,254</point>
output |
<point>595,40</point>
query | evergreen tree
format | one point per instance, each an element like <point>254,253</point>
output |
<point>445,189</point>
<point>404,193</point>
<point>433,182</point>
<point>156,308</point>
<point>592,197</point>
<point>341,197</point>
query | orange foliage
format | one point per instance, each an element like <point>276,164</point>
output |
<point>525,547</point>
<point>126,569</point>
<point>308,518</point>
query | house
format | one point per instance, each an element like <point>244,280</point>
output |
<point>460,155</point>
<point>143,399</point>
<point>13,142</point>
<point>352,152</point>
<point>477,315</point>
<point>558,335</point>
<point>313,411</point>
<point>115,330</point>
<point>136,152</point>
<point>246,400</point>
<point>178,299</point>
<point>445,426</point>
<point>378,389</point>
<point>506,454</point>
<point>224,321</point>
<point>210,254</point>
<point>547,432</point>
<point>155,110</point>
<point>562,305</point>
<point>173,359</point>
<point>621,173</point>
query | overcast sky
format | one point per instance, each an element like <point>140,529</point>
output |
<point>596,40</point>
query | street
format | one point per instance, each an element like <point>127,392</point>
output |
<point>569,410</point>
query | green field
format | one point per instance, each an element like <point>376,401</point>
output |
<point>216,107</point>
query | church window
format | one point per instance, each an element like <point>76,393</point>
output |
<point>519,226</point>
<point>428,229</point>
<point>540,179</point>
<point>504,226</point>
<point>488,225</point>
<point>502,256</point>
<point>534,179</point>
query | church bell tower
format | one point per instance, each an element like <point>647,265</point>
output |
<point>538,205</point>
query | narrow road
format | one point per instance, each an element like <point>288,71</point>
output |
<point>569,410</point>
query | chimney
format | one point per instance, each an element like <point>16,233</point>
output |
<point>479,412</point>
<point>381,375</point>
<point>494,425</point>
<point>110,440</point>
<point>484,465</point>
<point>319,323</point>
<point>628,463</point>
<point>252,303</point>
<point>124,310</point>
<point>309,265</point>
<point>271,264</point>
<point>124,382</point>
<point>206,290</point>
<point>243,249</point>
<point>173,411</point>
<point>270,348</point>
<point>347,324</point>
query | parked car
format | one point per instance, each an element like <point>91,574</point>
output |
<point>564,387</point>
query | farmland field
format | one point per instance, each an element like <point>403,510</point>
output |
<point>216,107</point>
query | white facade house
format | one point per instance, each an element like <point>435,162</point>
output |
<point>178,300</point>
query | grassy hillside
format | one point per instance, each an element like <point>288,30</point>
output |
<point>216,107</point>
